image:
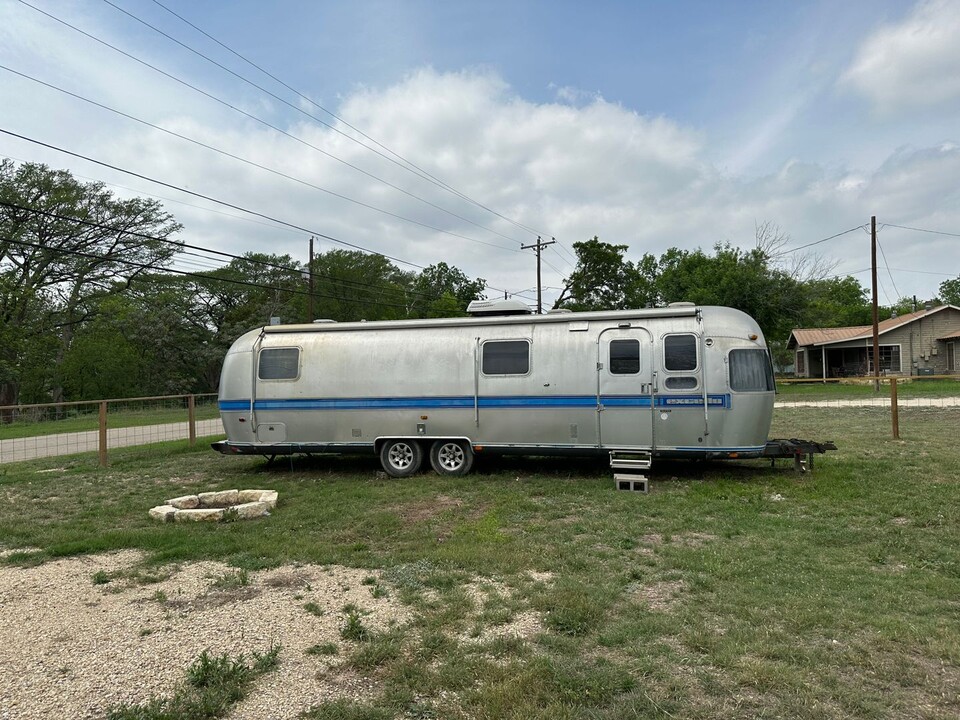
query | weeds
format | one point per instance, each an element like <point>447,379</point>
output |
<point>214,685</point>
<point>232,580</point>
<point>323,649</point>
<point>353,627</point>
<point>314,609</point>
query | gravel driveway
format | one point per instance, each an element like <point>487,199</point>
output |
<point>70,648</point>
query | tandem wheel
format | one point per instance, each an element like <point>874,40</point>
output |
<point>401,458</point>
<point>451,457</point>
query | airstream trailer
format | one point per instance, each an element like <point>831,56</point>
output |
<point>681,382</point>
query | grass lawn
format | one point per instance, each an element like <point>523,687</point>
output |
<point>730,591</point>
<point>860,388</point>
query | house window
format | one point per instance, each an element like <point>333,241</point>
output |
<point>279,364</point>
<point>889,358</point>
<point>510,357</point>
<point>801,369</point>
<point>952,357</point>
<point>624,357</point>
<point>680,352</point>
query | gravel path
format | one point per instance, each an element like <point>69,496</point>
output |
<point>72,649</point>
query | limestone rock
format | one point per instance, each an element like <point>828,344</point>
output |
<point>200,515</point>
<point>251,510</point>
<point>185,502</point>
<point>269,497</point>
<point>163,512</point>
<point>218,499</point>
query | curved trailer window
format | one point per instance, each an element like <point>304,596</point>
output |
<point>279,364</point>
<point>751,371</point>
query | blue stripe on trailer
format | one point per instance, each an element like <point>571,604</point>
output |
<point>467,401</point>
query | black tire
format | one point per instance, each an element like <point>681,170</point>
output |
<point>451,457</point>
<point>401,458</point>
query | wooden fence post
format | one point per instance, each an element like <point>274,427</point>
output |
<point>102,444</point>
<point>894,410</point>
<point>192,418</point>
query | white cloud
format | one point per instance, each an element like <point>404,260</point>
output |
<point>575,168</point>
<point>911,64</point>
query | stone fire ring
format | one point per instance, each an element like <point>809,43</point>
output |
<point>217,506</point>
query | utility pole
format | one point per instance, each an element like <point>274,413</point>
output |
<point>311,317</point>
<point>539,246</point>
<point>876,324</point>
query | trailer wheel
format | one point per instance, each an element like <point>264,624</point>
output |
<point>401,458</point>
<point>451,457</point>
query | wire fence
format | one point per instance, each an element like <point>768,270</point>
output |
<point>50,429</point>
<point>44,430</point>
<point>889,395</point>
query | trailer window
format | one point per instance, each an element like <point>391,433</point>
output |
<point>751,371</point>
<point>624,357</point>
<point>279,364</point>
<point>508,357</point>
<point>680,352</point>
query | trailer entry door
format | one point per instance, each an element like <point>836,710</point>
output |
<point>624,388</point>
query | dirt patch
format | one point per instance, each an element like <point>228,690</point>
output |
<point>424,510</point>
<point>659,596</point>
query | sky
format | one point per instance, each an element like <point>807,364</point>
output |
<point>459,131</point>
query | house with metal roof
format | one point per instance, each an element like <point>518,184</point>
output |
<point>924,342</point>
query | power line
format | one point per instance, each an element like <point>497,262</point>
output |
<point>249,162</point>
<point>886,265</point>
<point>167,199</point>
<point>801,247</point>
<point>207,197</point>
<point>232,281</point>
<point>407,164</point>
<point>266,124</point>
<point>915,229</point>
<point>179,244</point>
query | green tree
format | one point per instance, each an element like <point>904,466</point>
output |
<point>741,279</point>
<point>604,280</point>
<point>442,290</point>
<point>835,302</point>
<point>950,291</point>
<point>64,246</point>
<point>352,285</point>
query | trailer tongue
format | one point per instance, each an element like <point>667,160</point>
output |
<point>796,449</point>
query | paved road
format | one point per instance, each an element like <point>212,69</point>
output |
<point>69,443</point>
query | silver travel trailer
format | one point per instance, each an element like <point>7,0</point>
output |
<point>679,382</point>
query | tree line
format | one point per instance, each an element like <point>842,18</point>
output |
<point>91,308</point>
<point>780,290</point>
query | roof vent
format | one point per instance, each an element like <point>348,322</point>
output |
<point>498,307</point>
<point>320,321</point>
<point>559,311</point>
<point>681,304</point>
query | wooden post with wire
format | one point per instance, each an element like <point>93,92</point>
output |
<point>192,418</point>
<point>539,246</point>
<point>894,410</point>
<point>102,438</point>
